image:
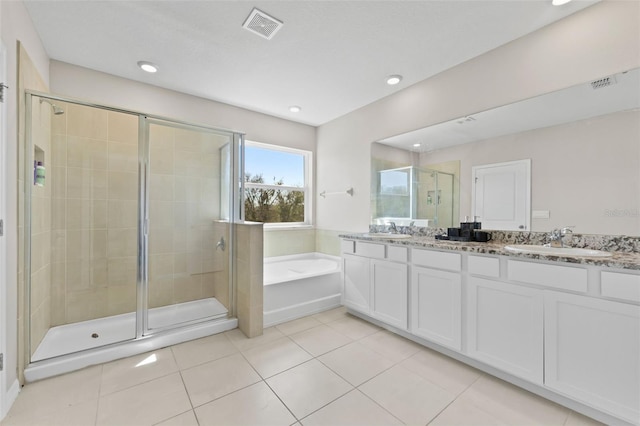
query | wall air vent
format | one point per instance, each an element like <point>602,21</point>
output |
<point>262,24</point>
<point>603,82</point>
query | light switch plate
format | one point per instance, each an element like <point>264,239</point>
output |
<point>540,214</point>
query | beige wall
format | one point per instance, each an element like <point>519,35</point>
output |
<point>94,176</point>
<point>94,173</point>
<point>16,26</point>
<point>107,89</point>
<point>580,171</point>
<point>284,242</point>
<point>41,197</point>
<point>184,217</point>
<point>579,48</point>
<point>29,78</point>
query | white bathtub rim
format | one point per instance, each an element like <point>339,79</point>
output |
<point>303,256</point>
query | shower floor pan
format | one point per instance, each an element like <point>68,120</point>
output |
<point>70,338</point>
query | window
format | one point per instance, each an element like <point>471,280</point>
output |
<point>277,184</point>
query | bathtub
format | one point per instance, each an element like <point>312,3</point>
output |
<point>300,285</point>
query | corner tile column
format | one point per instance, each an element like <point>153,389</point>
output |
<point>248,265</point>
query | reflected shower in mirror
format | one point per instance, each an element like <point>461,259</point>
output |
<point>407,194</point>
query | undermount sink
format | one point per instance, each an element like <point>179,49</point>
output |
<point>556,251</point>
<point>387,235</point>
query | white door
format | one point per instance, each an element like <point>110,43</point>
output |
<point>436,306</point>
<point>505,327</point>
<point>389,292</point>
<point>592,352</point>
<point>502,195</point>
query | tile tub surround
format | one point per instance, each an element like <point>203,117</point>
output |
<point>356,374</point>
<point>625,249</point>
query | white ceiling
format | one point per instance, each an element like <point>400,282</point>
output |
<point>579,102</point>
<point>330,57</point>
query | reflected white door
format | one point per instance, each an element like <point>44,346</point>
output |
<point>502,195</point>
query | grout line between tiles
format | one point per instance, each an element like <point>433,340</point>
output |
<point>95,420</point>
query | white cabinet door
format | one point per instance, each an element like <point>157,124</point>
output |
<point>505,327</point>
<point>356,282</point>
<point>436,306</point>
<point>592,352</point>
<point>389,292</point>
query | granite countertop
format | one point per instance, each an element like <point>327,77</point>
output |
<point>619,259</point>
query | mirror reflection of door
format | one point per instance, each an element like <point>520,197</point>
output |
<point>502,195</point>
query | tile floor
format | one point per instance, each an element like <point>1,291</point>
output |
<point>326,369</point>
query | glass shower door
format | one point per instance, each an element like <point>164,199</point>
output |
<point>81,236</point>
<point>187,224</point>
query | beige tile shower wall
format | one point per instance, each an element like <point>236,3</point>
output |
<point>28,79</point>
<point>184,207</point>
<point>40,302</point>
<point>94,214</point>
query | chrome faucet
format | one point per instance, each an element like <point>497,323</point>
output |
<point>556,236</point>
<point>392,227</point>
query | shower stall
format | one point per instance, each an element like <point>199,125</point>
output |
<point>407,195</point>
<point>128,232</point>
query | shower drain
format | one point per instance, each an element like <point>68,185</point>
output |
<point>95,335</point>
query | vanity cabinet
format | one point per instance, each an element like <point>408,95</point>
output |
<point>592,352</point>
<point>505,327</point>
<point>389,292</point>
<point>374,285</point>
<point>436,306</point>
<point>569,330</point>
<point>356,292</point>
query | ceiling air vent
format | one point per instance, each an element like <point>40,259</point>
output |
<point>603,82</point>
<point>262,24</point>
<point>465,120</point>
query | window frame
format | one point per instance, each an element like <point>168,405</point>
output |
<point>306,189</point>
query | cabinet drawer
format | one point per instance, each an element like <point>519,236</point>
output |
<point>397,253</point>
<point>560,277</point>
<point>375,251</point>
<point>347,246</point>
<point>436,259</point>
<point>487,266</point>
<point>620,286</point>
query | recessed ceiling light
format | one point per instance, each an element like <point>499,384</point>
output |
<point>417,145</point>
<point>394,79</point>
<point>559,2</point>
<point>295,108</point>
<point>148,66</point>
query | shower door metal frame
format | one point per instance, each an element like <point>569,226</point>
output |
<point>143,163</point>
<point>142,313</point>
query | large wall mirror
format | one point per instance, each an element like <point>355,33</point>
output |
<point>584,147</point>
